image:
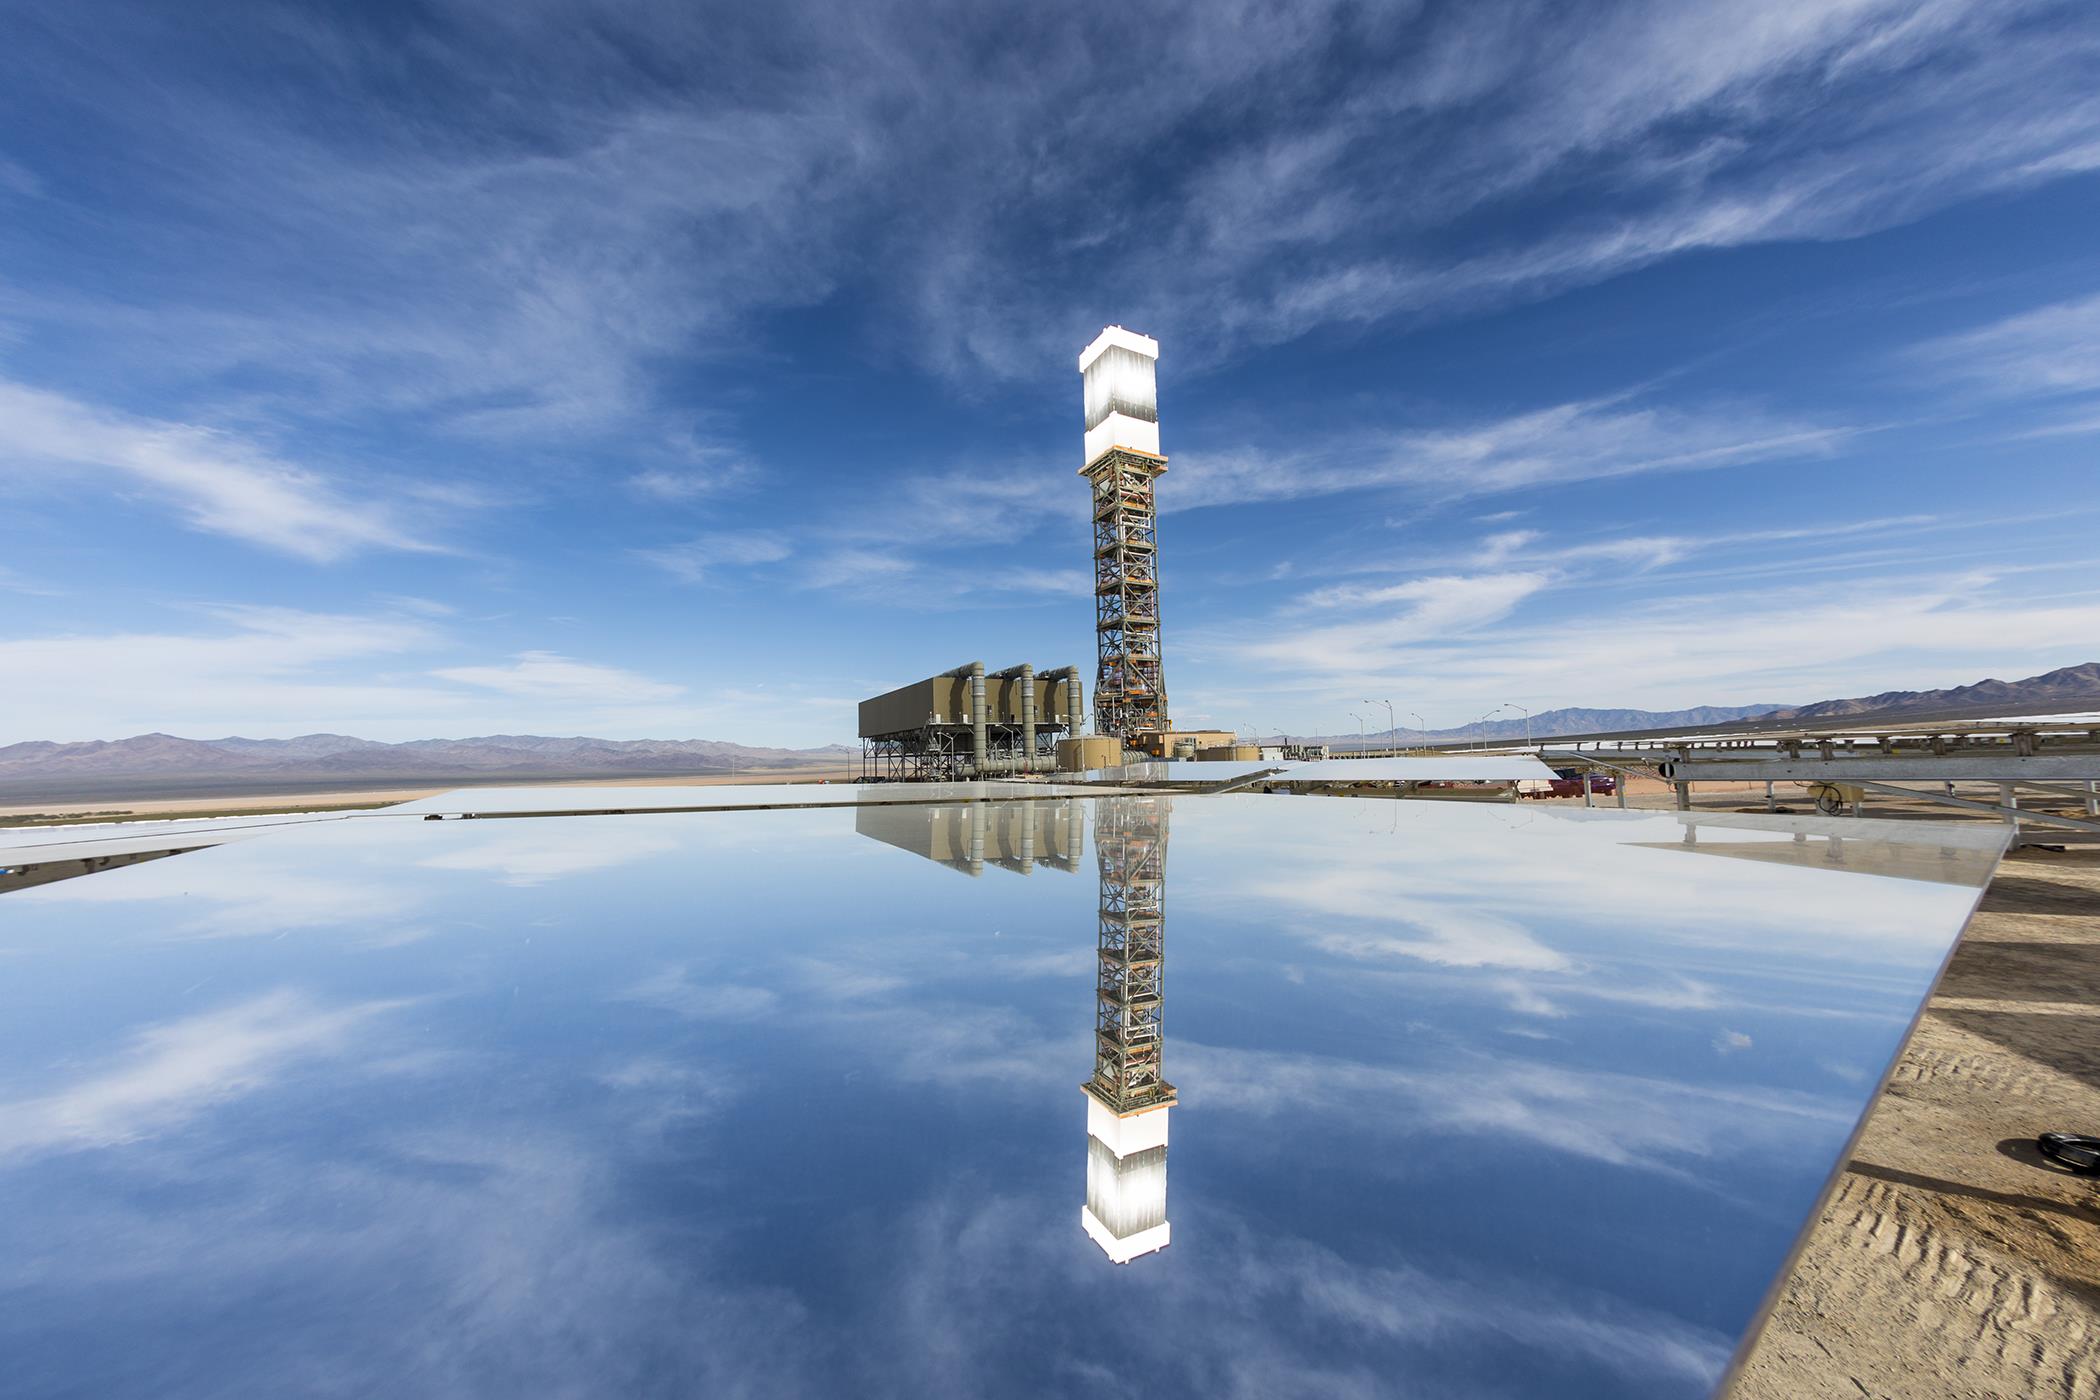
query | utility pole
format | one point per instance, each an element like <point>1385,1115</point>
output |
<point>1392,724</point>
<point>1513,705</point>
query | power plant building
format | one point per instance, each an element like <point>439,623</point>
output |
<point>970,723</point>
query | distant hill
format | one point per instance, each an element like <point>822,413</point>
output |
<point>2073,684</point>
<point>165,765</point>
<point>2068,683</point>
<point>1547,723</point>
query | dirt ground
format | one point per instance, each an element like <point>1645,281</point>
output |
<point>1953,1260</point>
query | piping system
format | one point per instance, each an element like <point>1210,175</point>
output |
<point>982,763</point>
<point>974,673</point>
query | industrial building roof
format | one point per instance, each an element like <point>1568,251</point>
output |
<point>1472,1100</point>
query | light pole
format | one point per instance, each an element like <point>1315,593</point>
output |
<point>1478,736</point>
<point>1513,705</point>
<point>1359,732</point>
<point>1392,725</point>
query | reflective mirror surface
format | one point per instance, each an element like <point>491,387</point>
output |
<point>1466,1100</point>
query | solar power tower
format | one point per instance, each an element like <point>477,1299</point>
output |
<point>1128,1099</point>
<point>1122,462</point>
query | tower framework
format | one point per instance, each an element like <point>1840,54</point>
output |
<point>1122,463</point>
<point>1128,1100</point>
<point>1130,842</point>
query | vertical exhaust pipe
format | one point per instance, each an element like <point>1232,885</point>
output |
<point>977,744</point>
<point>1027,718</point>
<point>974,672</point>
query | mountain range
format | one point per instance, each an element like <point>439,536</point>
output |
<point>2068,684</point>
<point>151,765</point>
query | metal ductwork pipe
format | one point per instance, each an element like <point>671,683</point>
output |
<point>1023,676</point>
<point>1027,718</point>
<point>1074,711</point>
<point>977,748</point>
<point>975,672</point>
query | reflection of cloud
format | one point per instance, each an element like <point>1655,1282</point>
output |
<point>663,1092</point>
<point>250,893</point>
<point>178,1069</point>
<point>676,990</point>
<point>841,982</point>
<point>1267,1315</point>
<point>495,1260</point>
<point>1575,912</point>
<point>1728,1042</point>
<point>549,851</point>
<point>1073,962</point>
<point>1450,936</point>
<point>1623,1119</point>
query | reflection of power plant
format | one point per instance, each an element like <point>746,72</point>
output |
<point>968,836</point>
<point>1128,1101</point>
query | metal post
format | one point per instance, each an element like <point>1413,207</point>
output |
<point>1771,803</point>
<point>2009,797</point>
<point>1027,718</point>
<point>977,737</point>
<point>1620,783</point>
<point>2092,799</point>
<point>1587,799</point>
<point>1684,797</point>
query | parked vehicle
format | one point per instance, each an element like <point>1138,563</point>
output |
<point>1567,782</point>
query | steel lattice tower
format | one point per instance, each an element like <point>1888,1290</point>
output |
<point>1128,1102</point>
<point>1122,462</point>
<point>1130,842</point>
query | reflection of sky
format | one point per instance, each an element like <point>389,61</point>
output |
<point>748,1105</point>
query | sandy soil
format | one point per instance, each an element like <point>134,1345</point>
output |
<point>1953,1260</point>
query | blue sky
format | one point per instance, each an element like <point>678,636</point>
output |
<point>691,371</point>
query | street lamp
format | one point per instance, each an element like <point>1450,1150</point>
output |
<point>1360,740</point>
<point>1527,722</point>
<point>1478,736</point>
<point>1392,725</point>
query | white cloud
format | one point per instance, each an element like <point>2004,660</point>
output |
<point>1809,639</point>
<point>1585,441</point>
<point>860,568</point>
<point>2050,351</point>
<point>1429,610</point>
<point>269,661</point>
<point>709,556</point>
<point>177,1070</point>
<point>276,673</point>
<point>217,481</point>
<point>534,281</point>
<point>543,675</point>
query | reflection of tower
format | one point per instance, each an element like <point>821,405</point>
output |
<point>1122,461</point>
<point>1127,1100</point>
